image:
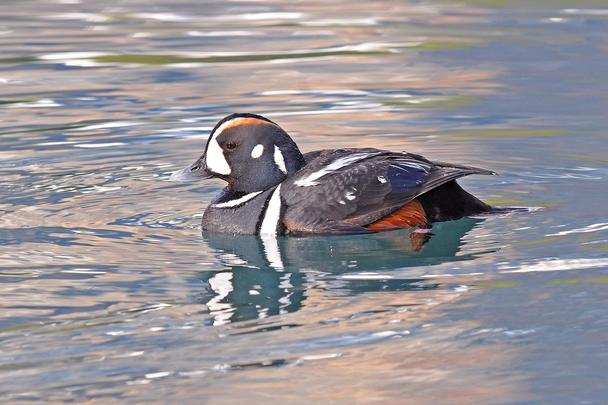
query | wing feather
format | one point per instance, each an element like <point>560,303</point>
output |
<point>343,188</point>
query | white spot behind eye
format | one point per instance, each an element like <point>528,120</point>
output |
<point>257,151</point>
<point>279,160</point>
<point>382,179</point>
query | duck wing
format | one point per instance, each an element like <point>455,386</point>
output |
<point>344,190</point>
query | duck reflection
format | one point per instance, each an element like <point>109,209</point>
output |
<point>264,277</point>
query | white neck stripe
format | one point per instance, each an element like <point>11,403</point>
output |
<point>279,159</point>
<point>237,201</point>
<point>272,216</point>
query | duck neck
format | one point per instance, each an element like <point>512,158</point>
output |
<point>293,158</point>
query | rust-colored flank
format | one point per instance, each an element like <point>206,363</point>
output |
<point>410,215</point>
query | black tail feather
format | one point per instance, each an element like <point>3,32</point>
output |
<point>450,201</point>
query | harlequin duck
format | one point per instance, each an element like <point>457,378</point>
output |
<point>274,189</point>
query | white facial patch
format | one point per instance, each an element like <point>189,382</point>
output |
<point>279,160</point>
<point>257,151</point>
<point>215,159</point>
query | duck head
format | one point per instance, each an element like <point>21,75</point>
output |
<point>248,151</point>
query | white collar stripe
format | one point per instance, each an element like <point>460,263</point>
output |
<point>272,216</point>
<point>237,201</point>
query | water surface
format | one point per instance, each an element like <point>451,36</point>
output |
<point>110,292</point>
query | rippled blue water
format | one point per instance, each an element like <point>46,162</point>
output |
<point>110,293</point>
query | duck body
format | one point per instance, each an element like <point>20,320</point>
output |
<point>273,189</point>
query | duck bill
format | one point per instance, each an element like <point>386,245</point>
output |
<point>196,171</point>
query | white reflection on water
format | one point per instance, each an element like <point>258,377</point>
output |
<point>224,34</point>
<point>221,283</point>
<point>586,11</point>
<point>272,251</point>
<point>590,228</point>
<point>554,264</point>
<point>89,17</point>
<point>99,145</point>
<point>42,103</point>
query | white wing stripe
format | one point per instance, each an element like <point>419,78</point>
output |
<point>337,164</point>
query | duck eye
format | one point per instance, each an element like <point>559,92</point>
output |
<point>231,145</point>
